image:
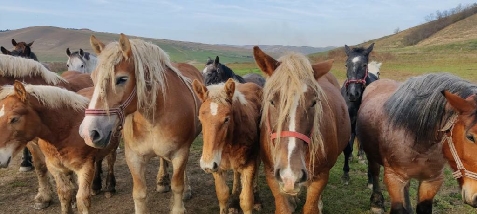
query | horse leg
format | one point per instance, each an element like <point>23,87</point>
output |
<point>188,190</point>
<point>64,187</point>
<point>26,164</point>
<point>44,196</point>
<point>427,191</point>
<point>407,199</point>
<point>137,167</point>
<point>257,202</point>
<point>313,202</point>
<point>348,151</point>
<point>233,202</point>
<point>396,186</point>
<point>163,180</point>
<point>282,202</point>
<point>246,196</point>
<point>222,190</point>
<point>83,196</point>
<point>377,199</point>
<point>177,183</point>
<point>110,188</point>
<point>98,170</point>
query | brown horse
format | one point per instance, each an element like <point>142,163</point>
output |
<point>39,111</point>
<point>138,86</point>
<point>20,49</point>
<point>230,116</point>
<point>305,126</point>
<point>411,129</point>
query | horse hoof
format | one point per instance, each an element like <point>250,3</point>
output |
<point>25,168</point>
<point>187,195</point>
<point>345,179</point>
<point>257,207</point>
<point>39,206</point>
<point>108,194</point>
<point>370,186</point>
<point>233,211</point>
<point>377,210</point>
<point>95,192</point>
<point>350,159</point>
<point>73,205</point>
<point>362,161</point>
<point>163,189</point>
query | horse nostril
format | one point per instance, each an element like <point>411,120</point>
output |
<point>9,159</point>
<point>304,176</point>
<point>95,135</point>
<point>277,175</point>
<point>215,166</point>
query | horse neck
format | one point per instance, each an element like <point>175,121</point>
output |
<point>91,63</point>
<point>33,56</point>
<point>245,125</point>
<point>230,74</point>
<point>371,78</point>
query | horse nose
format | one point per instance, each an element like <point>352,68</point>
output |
<point>214,167</point>
<point>301,177</point>
<point>473,202</point>
<point>96,137</point>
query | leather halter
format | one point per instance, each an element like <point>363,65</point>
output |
<point>461,171</point>
<point>294,134</point>
<point>118,111</point>
<point>358,81</point>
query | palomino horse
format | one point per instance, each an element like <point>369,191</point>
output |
<point>411,129</point>
<point>215,73</point>
<point>80,61</point>
<point>21,49</point>
<point>33,72</point>
<point>230,116</point>
<point>357,78</point>
<point>139,86</point>
<point>34,111</point>
<point>304,128</point>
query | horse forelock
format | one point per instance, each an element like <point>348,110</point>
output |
<point>151,63</point>
<point>19,67</point>
<point>288,80</point>
<point>419,107</point>
<point>50,96</point>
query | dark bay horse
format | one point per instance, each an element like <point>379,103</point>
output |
<point>215,73</point>
<point>304,128</point>
<point>357,78</point>
<point>413,129</point>
<point>140,92</point>
<point>20,49</point>
<point>230,116</point>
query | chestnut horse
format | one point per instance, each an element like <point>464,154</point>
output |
<point>304,128</point>
<point>38,111</point>
<point>138,86</point>
<point>411,130</point>
<point>230,116</point>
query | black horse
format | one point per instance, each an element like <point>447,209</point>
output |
<point>357,78</point>
<point>215,73</point>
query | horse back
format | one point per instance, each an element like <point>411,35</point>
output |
<point>76,80</point>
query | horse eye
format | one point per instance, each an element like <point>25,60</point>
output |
<point>67,65</point>
<point>82,65</point>
<point>14,120</point>
<point>471,138</point>
<point>121,80</point>
<point>272,103</point>
<point>346,65</point>
<point>227,119</point>
<point>314,103</point>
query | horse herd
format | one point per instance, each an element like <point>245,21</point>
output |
<point>296,122</point>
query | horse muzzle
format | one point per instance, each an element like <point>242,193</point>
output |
<point>97,130</point>
<point>4,164</point>
<point>469,198</point>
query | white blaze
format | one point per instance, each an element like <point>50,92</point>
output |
<point>2,111</point>
<point>214,107</point>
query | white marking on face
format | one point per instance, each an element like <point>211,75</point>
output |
<point>5,154</point>
<point>356,59</point>
<point>217,158</point>
<point>214,107</point>
<point>2,111</point>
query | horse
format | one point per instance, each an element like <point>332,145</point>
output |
<point>411,129</point>
<point>358,78</point>
<point>30,111</point>
<point>230,117</point>
<point>374,68</point>
<point>80,61</point>
<point>304,128</point>
<point>33,72</point>
<point>215,73</point>
<point>141,93</point>
<point>21,49</point>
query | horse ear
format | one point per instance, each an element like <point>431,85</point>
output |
<point>125,46</point>
<point>265,62</point>
<point>20,91</point>
<point>97,45</point>
<point>216,62</point>
<point>5,51</point>
<point>81,52</point>
<point>68,52</point>
<point>459,104</point>
<point>200,90</point>
<point>347,50</point>
<point>322,68</point>
<point>230,88</point>
<point>14,43</point>
<point>370,48</point>
<point>30,44</point>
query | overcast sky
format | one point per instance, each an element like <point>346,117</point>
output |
<point>245,22</point>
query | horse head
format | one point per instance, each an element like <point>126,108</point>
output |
<point>357,71</point>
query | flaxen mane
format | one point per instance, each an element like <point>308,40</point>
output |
<point>151,63</point>
<point>18,67</point>
<point>419,107</point>
<point>288,79</point>
<point>50,96</point>
<point>218,95</point>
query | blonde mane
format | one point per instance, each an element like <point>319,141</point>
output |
<point>217,94</point>
<point>19,67</point>
<point>50,96</point>
<point>288,79</point>
<point>151,63</point>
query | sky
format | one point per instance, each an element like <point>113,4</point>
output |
<point>317,23</point>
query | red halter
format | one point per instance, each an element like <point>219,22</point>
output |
<point>288,133</point>
<point>358,81</point>
<point>118,111</point>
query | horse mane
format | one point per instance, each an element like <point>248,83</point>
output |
<point>288,79</point>
<point>231,74</point>
<point>151,64</point>
<point>19,67</point>
<point>419,107</point>
<point>50,96</point>
<point>217,94</point>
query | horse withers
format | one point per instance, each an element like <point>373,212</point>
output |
<point>80,61</point>
<point>230,116</point>
<point>304,128</point>
<point>412,129</point>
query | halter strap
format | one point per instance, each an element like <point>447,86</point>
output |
<point>358,81</point>
<point>294,134</point>
<point>448,136</point>
<point>118,111</point>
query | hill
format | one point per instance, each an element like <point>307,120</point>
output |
<point>281,49</point>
